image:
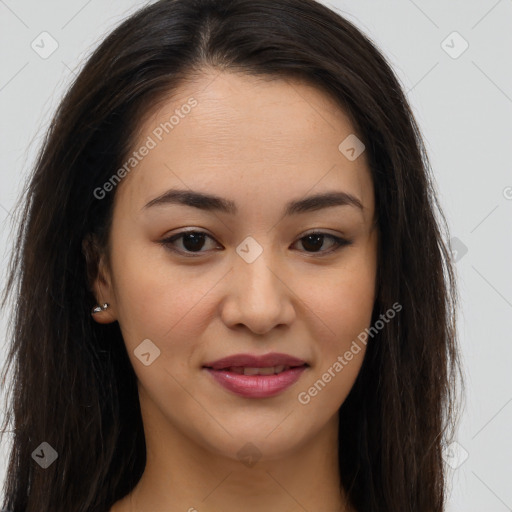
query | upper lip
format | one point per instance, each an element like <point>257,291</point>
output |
<point>255,361</point>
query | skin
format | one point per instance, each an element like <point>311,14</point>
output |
<point>260,144</point>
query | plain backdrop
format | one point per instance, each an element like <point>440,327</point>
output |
<point>454,61</point>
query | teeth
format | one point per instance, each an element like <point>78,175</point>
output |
<point>258,371</point>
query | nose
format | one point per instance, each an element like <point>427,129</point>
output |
<point>257,296</point>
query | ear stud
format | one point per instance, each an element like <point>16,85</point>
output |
<point>98,308</point>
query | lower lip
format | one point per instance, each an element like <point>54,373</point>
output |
<point>257,386</point>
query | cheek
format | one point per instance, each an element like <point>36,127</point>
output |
<point>345,299</point>
<point>343,306</point>
<point>344,312</point>
<point>351,305</point>
<point>156,300</point>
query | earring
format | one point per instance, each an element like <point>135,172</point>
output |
<point>98,308</point>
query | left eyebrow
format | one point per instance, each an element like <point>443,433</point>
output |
<point>211,202</point>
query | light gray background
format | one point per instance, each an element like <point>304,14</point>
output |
<point>463,106</point>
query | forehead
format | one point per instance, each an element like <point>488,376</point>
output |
<point>244,136</point>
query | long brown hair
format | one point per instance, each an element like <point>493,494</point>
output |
<point>72,384</point>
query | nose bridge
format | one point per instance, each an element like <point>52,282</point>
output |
<point>253,268</point>
<point>257,297</point>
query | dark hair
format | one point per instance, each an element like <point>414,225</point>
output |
<point>73,385</point>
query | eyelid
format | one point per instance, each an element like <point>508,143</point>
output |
<point>339,241</point>
<point>169,240</point>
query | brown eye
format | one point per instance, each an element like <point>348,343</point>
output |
<point>192,241</point>
<point>313,242</point>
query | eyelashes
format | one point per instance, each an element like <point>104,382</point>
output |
<point>195,240</point>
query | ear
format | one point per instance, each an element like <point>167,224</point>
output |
<point>99,279</point>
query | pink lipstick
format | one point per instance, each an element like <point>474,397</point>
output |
<point>253,376</point>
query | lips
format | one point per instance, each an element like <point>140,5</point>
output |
<point>259,370</point>
<point>245,361</point>
<point>253,376</point>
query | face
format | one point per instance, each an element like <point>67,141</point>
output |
<point>264,271</point>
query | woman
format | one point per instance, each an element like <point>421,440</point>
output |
<point>232,291</point>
